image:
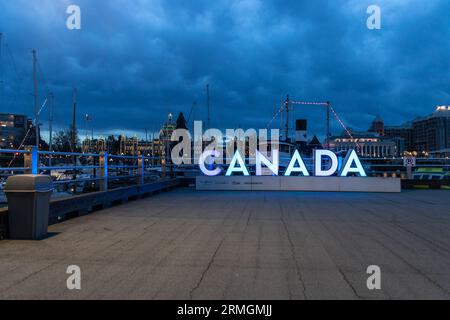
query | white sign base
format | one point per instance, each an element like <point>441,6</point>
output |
<point>299,183</point>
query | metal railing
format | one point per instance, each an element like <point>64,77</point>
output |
<point>91,171</point>
<point>103,170</point>
<point>387,166</point>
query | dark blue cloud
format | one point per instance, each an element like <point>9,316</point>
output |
<point>134,61</point>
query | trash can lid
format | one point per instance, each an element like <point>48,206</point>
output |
<point>29,182</point>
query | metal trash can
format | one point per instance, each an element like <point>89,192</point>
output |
<point>28,205</point>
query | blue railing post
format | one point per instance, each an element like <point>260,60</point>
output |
<point>34,160</point>
<point>106,170</point>
<point>103,171</point>
<point>31,160</point>
<point>141,169</point>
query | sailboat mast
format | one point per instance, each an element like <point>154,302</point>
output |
<point>35,95</point>
<point>74,123</point>
<point>209,106</point>
<point>194,105</point>
<point>1,69</point>
<point>286,128</point>
<point>50,139</point>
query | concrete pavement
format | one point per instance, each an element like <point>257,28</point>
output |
<point>189,244</point>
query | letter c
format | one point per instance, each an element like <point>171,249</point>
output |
<point>201,162</point>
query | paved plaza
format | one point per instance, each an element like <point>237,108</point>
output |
<point>188,244</point>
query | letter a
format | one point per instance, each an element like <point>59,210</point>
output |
<point>74,20</point>
<point>374,281</point>
<point>74,280</point>
<point>374,20</point>
<point>351,158</point>
<point>232,167</point>
<point>292,168</point>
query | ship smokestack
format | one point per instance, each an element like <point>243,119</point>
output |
<point>301,133</point>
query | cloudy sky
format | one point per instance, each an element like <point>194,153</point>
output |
<point>133,61</point>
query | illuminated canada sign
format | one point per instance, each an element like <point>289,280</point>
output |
<point>351,164</point>
<point>237,142</point>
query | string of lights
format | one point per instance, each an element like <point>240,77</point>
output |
<point>316,103</point>
<point>309,103</point>
<point>343,126</point>
<point>275,116</point>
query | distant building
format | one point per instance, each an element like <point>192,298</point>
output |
<point>124,146</point>
<point>165,135</point>
<point>377,126</point>
<point>403,135</point>
<point>128,146</point>
<point>423,136</point>
<point>94,146</point>
<point>152,148</point>
<point>13,128</point>
<point>365,143</point>
<point>432,133</point>
<point>373,143</point>
<point>167,129</point>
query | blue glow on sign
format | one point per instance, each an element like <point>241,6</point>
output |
<point>351,158</point>
<point>232,168</point>
<point>351,164</point>
<point>318,172</point>
<point>301,165</point>
<point>273,166</point>
<point>203,157</point>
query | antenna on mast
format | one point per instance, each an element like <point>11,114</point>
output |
<point>35,95</point>
<point>209,106</point>
<point>74,122</point>
<point>1,68</point>
<point>328,124</point>
<point>286,129</point>
<point>50,129</point>
<point>50,139</point>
